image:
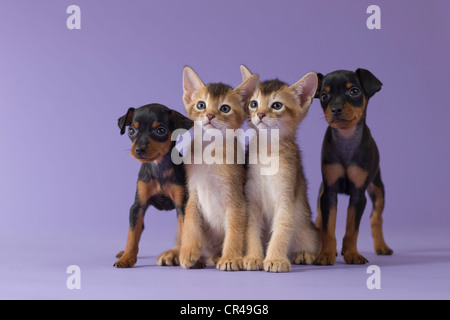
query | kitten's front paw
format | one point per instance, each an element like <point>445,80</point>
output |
<point>169,258</point>
<point>189,257</point>
<point>277,265</point>
<point>253,264</point>
<point>303,258</point>
<point>226,264</point>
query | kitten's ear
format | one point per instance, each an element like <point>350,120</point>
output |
<point>369,82</point>
<point>319,84</point>
<point>246,89</point>
<point>245,73</point>
<point>305,89</point>
<point>191,83</point>
<point>125,120</point>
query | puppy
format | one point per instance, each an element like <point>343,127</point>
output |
<point>350,164</point>
<point>161,183</point>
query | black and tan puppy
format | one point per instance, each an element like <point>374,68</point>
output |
<point>350,163</point>
<point>161,183</point>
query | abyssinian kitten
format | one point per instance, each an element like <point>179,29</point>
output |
<point>216,217</point>
<point>280,229</point>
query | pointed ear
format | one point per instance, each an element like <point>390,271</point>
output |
<point>246,89</point>
<point>369,82</point>
<point>245,73</point>
<point>191,83</point>
<point>125,120</point>
<point>305,89</point>
<point>179,121</point>
<point>319,84</point>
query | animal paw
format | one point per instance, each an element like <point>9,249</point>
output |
<point>354,258</point>
<point>277,265</point>
<point>325,259</point>
<point>384,251</point>
<point>303,258</point>
<point>126,261</point>
<point>169,258</point>
<point>253,264</point>
<point>189,258</point>
<point>227,264</point>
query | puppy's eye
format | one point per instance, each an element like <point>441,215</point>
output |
<point>277,105</point>
<point>201,105</point>
<point>225,108</point>
<point>354,92</point>
<point>161,131</point>
<point>131,131</point>
<point>324,96</point>
<point>254,104</point>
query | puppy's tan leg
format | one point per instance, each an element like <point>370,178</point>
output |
<point>349,248</point>
<point>376,193</point>
<point>129,257</point>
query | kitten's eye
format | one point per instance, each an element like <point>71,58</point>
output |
<point>225,108</point>
<point>354,92</point>
<point>277,105</point>
<point>201,105</point>
<point>254,104</point>
<point>161,131</point>
<point>324,96</point>
<point>131,131</point>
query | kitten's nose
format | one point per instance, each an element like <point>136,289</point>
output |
<point>261,115</point>
<point>211,116</point>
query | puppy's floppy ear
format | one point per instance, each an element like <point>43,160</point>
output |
<point>305,89</point>
<point>245,73</point>
<point>179,121</point>
<point>191,83</point>
<point>369,82</point>
<point>319,84</point>
<point>125,120</point>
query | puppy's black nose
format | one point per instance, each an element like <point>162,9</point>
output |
<point>337,110</point>
<point>140,151</point>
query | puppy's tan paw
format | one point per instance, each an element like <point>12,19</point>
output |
<point>354,258</point>
<point>384,250</point>
<point>227,264</point>
<point>325,259</point>
<point>253,264</point>
<point>304,258</point>
<point>126,261</point>
<point>120,254</point>
<point>277,265</point>
<point>169,258</point>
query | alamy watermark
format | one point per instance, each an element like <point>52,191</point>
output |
<point>214,146</point>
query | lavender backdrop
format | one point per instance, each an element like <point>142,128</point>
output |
<point>66,177</point>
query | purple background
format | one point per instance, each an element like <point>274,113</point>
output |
<point>67,179</point>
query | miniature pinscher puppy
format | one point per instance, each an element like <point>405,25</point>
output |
<point>161,183</point>
<point>350,164</point>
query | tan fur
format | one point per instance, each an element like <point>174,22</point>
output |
<point>279,212</point>
<point>216,217</point>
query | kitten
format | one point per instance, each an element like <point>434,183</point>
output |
<point>278,208</point>
<point>216,216</point>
